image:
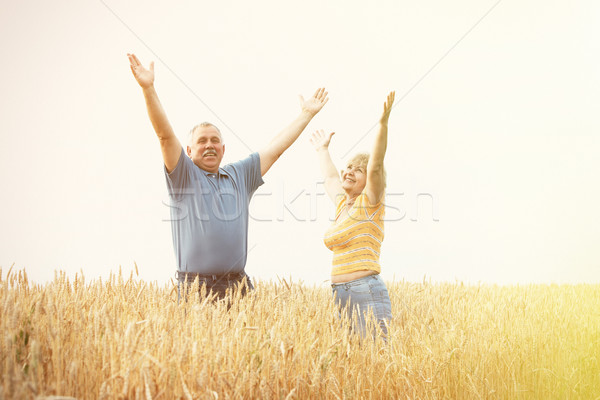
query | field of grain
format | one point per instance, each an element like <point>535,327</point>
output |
<point>125,338</point>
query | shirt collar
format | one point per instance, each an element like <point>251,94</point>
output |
<point>220,172</point>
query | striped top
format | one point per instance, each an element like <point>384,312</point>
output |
<point>356,239</point>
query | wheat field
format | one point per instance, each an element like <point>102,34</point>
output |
<point>123,338</point>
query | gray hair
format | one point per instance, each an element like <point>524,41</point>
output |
<point>204,125</point>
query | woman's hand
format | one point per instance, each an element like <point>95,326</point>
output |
<point>320,140</point>
<point>387,107</point>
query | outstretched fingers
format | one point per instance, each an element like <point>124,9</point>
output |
<point>320,139</point>
<point>313,138</point>
<point>321,95</point>
<point>316,135</point>
<point>134,63</point>
<point>143,76</point>
<point>315,103</point>
<point>136,60</point>
<point>389,103</point>
<point>390,99</point>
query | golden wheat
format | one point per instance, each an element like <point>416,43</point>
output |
<point>129,339</point>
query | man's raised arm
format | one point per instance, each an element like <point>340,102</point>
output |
<point>310,107</point>
<point>169,144</point>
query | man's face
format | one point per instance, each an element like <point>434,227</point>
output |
<point>206,148</point>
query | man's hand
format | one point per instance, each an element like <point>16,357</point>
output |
<point>314,104</point>
<point>143,76</point>
<point>320,140</point>
<point>387,108</point>
<point>270,153</point>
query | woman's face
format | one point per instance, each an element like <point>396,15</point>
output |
<point>354,178</point>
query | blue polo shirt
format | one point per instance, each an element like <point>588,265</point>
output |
<point>209,214</point>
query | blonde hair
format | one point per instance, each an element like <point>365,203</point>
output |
<point>362,159</point>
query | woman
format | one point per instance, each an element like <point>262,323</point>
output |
<point>356,235</point>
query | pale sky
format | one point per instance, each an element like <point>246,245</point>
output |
<point>496,125</point>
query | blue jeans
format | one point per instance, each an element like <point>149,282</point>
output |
<point>362,297</point>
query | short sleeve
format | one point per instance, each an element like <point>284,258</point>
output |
<point>180,177</point>
<point>374,211</point>
<point>363,201</point>
<point>249,171</point>
<point>340,206</point>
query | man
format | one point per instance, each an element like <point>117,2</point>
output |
<point>210,203</point>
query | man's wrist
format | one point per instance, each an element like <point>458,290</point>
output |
<point>307,114</point>
<point>148,88</point>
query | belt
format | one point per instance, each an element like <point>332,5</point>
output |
<point>191,276</point>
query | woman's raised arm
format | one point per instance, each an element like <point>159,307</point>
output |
<point>333,186</point>
<point>375,186</point>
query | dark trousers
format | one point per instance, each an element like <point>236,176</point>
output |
<point>215,286</point>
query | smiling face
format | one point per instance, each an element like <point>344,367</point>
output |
<point>206,147</point>
<point>354,177</point>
